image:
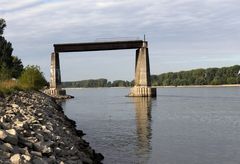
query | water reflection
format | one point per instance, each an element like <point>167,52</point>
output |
<point>143,107</point>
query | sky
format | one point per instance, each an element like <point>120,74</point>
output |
<point>181,34</point>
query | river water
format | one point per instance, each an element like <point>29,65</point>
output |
<point>180,126</point>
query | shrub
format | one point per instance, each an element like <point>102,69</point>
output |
<point>32,78</point>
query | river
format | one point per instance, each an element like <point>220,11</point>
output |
<point>180,126</point>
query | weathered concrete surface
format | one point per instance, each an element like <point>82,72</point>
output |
<point>34,129</point>
<point>55,78</point>
<point>57,93</point>
<point>142,91</point>
<point>142,68</point>
<point>55,89</point>
<point>142,86</point>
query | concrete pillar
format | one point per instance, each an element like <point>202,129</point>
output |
<point>55,73</point>
<point>142,86</point>
<point>142,68</point>
<point>55,76</point>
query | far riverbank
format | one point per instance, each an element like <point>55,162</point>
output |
<point>200,86</point>
<point>180,86</point>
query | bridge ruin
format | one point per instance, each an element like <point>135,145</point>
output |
<point>142,86</point>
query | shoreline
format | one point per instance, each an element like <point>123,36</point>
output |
<point>200,86</point>
<point>171,86</point>
<point>34,129</point>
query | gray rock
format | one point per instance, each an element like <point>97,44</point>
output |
<point>79,162</point>
<point>42,147</point>
<point>24,151</point>
<point>25,142</point>
<point>87,160</point>
<point>4,154</point>
<point>12,137</point>
<point>74,158</point>
<point>51,161</point>
<point>3,134</point>
<point>16,159</point>
<point>6,125</point>
<point>7,147</point>
<point>1,119</point>
<point>61,153</point>
<point>19,124</point>
<point>38,160</point>
<point>40,137</point>
<point>12,132</point>
<point>72,162</point>
<point>73,150</point>
<point>15,106</point>
<point>26,157</point>
<point>9,136</point>
<point>36,153</point>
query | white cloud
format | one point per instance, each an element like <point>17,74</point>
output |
<point>11,5</point>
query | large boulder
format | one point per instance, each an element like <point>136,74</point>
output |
<point>16,159</point>
<point>9,136</point>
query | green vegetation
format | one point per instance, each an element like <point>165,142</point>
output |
<point>8,86</point>
<point>32,78</point>
<point>11,68</point>
<point>210,76</point>
<point>87,83</point>
<point>121,83</point>
<point>94,83</point>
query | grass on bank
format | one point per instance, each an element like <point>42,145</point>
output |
<point>31,79</point>
<point>9,86</point>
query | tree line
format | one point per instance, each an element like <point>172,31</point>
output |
<point>94,83</point>
<point>10,66</point>
<point>13,75</point>
<point>209,76</point>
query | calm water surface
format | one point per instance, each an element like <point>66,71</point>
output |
<point>180,126</point>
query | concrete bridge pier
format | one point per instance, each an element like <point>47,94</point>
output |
<point>142,86</point>
<point>55,77</point>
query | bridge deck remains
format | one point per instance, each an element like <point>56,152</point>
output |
<point>98,46</point>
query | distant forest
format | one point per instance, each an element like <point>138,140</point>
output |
<point>209,76</point>
<point>94,83</point>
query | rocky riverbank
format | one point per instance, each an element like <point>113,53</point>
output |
<point>34,129</point>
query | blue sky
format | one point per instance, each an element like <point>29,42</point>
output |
<point>182,34</point>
